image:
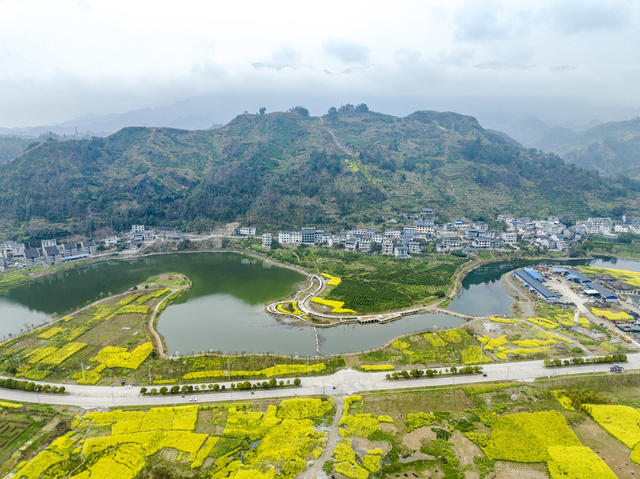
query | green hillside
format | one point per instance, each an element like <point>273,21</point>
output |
<point>12,146</point>
<point>288,169</point>
<point>611,148</point>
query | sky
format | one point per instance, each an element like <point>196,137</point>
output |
<point>64,59</point>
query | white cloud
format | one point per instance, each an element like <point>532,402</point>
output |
<point>74,57</point>
<point>348,52</point>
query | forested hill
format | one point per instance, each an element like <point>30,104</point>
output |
<point>289,169</point>
<point>611,148</point>
<point>12,146</point>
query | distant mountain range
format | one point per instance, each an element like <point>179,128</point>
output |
<point>611,148</point>
<point>290,169</point>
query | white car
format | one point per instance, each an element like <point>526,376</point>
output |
<point>193,399</point>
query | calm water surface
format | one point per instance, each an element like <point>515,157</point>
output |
<point>482,293</point>
<point>224,310</point>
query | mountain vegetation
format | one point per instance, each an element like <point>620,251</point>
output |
<point>12,146</point>
<point>611,148</point>
<point>288,169</point>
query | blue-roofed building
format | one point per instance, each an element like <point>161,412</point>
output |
<point>534,274</point>
<point>536,286</point>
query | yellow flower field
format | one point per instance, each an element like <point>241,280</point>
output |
<point>563,400</point>
<point>345,461</point>
<point>544,322</point>
<point>400,344</point>
<point>377,367</point>
<point>492,343</point>
<point>155,294</point>
<point>277,370</point>
<point>294,308</point>
<point>51,332</point>
<point>503,320</point>
<point>416,421</point>
<point>474,355</point>
<point>613,315</point>
<point>526,437</point>
<point>360,424</point>
<point>577,462</point>
<point>630,277</point>
<point>336,306</point>
<point>332,280</point>
<point>435,340</point>
<point>62,354</point>
<point>117,357</point>
<point>622,422</point>
<point>303,408</point>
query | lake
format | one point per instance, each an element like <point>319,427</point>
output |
<point>223,311</point>
<point>482,293</point>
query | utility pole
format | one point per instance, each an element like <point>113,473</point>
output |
<point>82,367</point>
<point>149,373</point>
<point>229,369</point>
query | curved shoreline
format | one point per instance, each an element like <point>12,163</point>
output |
<point>380,318</point>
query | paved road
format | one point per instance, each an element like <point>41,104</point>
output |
<point>346,381</point>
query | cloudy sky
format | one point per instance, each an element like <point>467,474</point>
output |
<point>63,59</point>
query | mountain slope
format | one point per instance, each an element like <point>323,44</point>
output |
<point>611,148</point>
<point>12,146</point>
<point>288,169</point>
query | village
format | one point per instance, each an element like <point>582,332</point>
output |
<point>412,234</point>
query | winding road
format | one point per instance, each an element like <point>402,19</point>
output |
<point>344,382</point>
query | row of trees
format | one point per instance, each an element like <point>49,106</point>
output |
<point>241,386</point>
<point>609,358</point>
<point>418,373</point>
<point>30,386</point>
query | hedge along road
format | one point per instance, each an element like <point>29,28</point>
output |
<point>344,382</point>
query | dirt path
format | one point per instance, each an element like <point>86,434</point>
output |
<point>344,148</point>
<point>315,471</point>
<point>151,329</point>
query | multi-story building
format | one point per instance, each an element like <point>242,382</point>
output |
<point>510,237</point>
<point>52,255</point>
<point>308,236</point>
<point>33,257</point>
<point>401,251</point>
<point>137,228</point>
<point>351,245</point>
<point>266,241</point>
<point>364,245</point>
<point>425,228</point>
<point>111,240</point>
<point>247,231</point>
<point>414,247</point>
<point>387,247</point>
<point>48,242</point>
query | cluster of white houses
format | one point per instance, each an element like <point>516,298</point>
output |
<point>550,233</point>
<point>401,242</point>
<point>49,252</point>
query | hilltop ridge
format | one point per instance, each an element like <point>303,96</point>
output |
<point>287,169</point>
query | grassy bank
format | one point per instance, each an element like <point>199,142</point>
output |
<point>372,283</point>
